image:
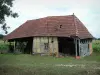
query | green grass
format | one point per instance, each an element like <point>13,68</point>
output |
<point>24,64</point>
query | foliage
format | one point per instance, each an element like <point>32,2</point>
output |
<point>96,45</point>
<point>5,11</point>
<point>3,46</point>
<point>1,36</point>
<point>98,38</point>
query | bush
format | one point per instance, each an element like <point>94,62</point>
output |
<point>3,47</point>
<point>96,46</point>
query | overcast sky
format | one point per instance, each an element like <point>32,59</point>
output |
<point>87,11</point>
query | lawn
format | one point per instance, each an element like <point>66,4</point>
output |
<point>24,64</point>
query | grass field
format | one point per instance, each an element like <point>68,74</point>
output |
<point>24,64</point>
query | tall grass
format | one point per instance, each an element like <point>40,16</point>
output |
<point>96,46</point>
<point>3,46</point>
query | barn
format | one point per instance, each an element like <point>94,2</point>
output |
<point>52,35</point>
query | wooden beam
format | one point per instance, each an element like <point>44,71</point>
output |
<point>79,46</point>
<point>75,40</point>
<point>57,55</point>
<point>33,46</point>
<point>9,46</point>
<point>14,46</point>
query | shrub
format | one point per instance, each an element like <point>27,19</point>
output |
<point>96,46</point>
<point>3,47</point>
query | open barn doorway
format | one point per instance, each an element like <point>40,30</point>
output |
<point>66,46</point>
<point>29,43</point>
<point>21,45</point>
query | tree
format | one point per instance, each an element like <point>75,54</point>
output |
<point>5,11</point>
<point>98,38</point>
<point>1,36</point>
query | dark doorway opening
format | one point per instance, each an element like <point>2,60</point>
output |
<point>66,46</point>
<point>23,45</point>
<point>28,48</point>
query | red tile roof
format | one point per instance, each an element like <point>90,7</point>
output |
<point>60,26</point>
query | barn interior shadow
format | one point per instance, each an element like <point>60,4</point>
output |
<point>66,46</point>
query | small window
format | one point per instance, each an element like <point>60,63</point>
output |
<point>60,26</point>
<point>52,40</point>
<point>46,45</point>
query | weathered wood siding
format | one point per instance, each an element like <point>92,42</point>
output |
<point>85,48</point>
<point>39,44</point>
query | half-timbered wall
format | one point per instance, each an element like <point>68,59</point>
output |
<point>45,45</point>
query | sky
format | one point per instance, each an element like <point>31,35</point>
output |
<point>86,10</point>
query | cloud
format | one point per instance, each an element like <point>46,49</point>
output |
<point>86,10</point>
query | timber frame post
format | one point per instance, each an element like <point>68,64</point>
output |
<point>9,46</point>
<point>14,45</point>
<point>79,47</point>
<point>77,50</point>
<point>75,41</point>
<point>57,55</point>
<point>33,46</point>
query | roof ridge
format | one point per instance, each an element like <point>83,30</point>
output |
<point>76,28</point>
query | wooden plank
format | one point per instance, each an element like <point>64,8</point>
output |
<point>42,45</point>
<point>79,46</point>
<point>57,55</point>
<point>14,46</point>
<point>76,46</point>
<point>33,46</point>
